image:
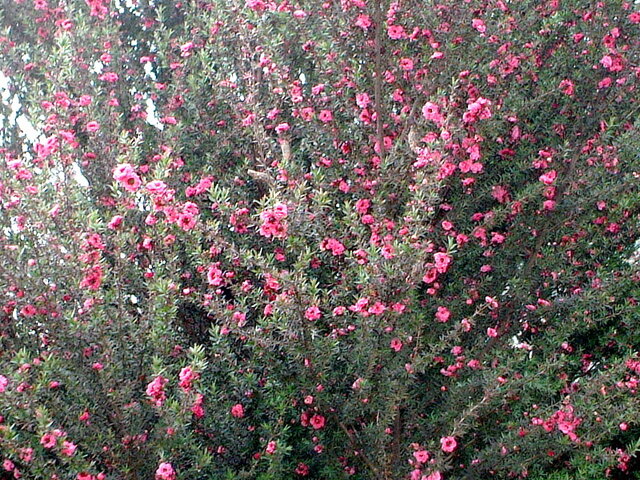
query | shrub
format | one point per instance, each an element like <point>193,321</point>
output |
<point>353,239</point>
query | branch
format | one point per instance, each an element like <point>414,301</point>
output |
<point>377,81</point>
<point>354,444</point>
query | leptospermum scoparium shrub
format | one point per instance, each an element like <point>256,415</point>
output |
<point>343,239</point>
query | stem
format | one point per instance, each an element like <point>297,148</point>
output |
<point>377,80</point>
<point>355,444</point>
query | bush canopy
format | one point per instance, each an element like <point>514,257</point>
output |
<point>349,239</point>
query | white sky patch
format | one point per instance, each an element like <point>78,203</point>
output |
<point>152,118</point>
<point>78,176</point>
<point>4,87</point>
<point>26,127</point>
<point>148,70</point>
<point>97,67</point>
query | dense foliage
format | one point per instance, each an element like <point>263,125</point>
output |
<point>351,239</point>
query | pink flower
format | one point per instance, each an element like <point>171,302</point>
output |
<point>68,448</point>
<point>93,127</point>
<point>500,193</point>
<point>449,444</point>
<point>92,278</point>
<point>187,221</point>
<point>549,177</point>
<point>271,447</point>
<point>115,222</point>
<point>26,454</point>
<point>363,205</point>
<point>197,408</point>
<point>302,469</point>
<point>443,314</point>
<point>406,64</point>
<point>421,456</point>
<point>8,465</point>
<point>282,127</point>
<point>156,187</point>
<point>396,32</point>
<point>214,275</point>
<point>85,100</point>
<point>364,22</point>
<point>479,25</point>
<point>325,116</point>
<point>109,77</point>
<point>155,390</point>
<point>4,381</point>
<point>388,251</point>
<point>272,218</point>
<point>127,177</point>
<point>339,311</point>
<point>431,111</point>
<point>185,50</point>
<point>237,411</point>
<point>334,245</point>
<point>255,5</point>
<point>567,87</point>
<point>396,344</point>
<point>187,377</point>
<point>165,471</point>
<point>477,110</point>
<point>28,311</point>
<point>312,313</point>
<point>317,422</point>
<point>280,210</point>
<point>48,440</point>
<point>442,262</point>
<point>377,308</point>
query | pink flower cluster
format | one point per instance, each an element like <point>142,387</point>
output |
<point>50,439</point>
<point>197,408</point>
<point>334,245</point>
<point>431,112</point>
<point>155,390</point>
<point>441,263</point>
<point>312,313</point>
<point>202,187</point>
<point>237,410</point>
<point>448,444</point>
<point>187,216</point>
<point>477,110</point>
<point>126,176</point>
<point>564,420</point>
<point>165,471</point>
<point>273,221</point>
<point>98,8</point>
<point>187,377</point>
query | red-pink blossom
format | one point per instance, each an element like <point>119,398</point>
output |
<point>312,313</point>
<point>48,440</point>
<point>443,314</point>
<point>448,444</point>
<point>317,422</point>
<point>165,471</point>
<point>396,344</point>
<point>237,410</point>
